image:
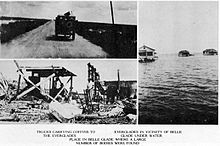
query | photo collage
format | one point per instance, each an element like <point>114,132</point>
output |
<point>109,62</point>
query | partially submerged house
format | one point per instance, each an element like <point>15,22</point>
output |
<point>147,54</point>
<point>210,52</point>
<point>184,53</point>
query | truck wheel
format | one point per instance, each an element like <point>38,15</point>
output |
<point>73,36</point>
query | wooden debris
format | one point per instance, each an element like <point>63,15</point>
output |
<point>91,116</point>
<point>132,117</point>
<point>117,111</point>
<point>64,111</point>
<point>9,118</point>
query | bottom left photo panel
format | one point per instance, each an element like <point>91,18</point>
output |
<point>68,91</point>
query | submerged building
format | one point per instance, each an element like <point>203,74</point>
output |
<point>210,52</point>
<point>184,53</point>
<point>147,54</point>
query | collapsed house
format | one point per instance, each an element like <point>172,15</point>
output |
<point>41,76</point>
<point>47,98</point>
<point>111,98</point>
<point>120,90</point>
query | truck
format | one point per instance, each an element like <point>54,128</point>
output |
<point>65,26</point>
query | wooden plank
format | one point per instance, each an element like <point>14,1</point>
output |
<point>34,86</point>
<point>62,89</point>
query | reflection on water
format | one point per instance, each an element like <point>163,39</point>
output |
<point>179,90</point>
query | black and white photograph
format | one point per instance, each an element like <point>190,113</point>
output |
<point>109,73</point>
<point>68,29</point>
<point>68,91</point>
<point>178,62</point>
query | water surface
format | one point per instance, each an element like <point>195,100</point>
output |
<point>179,90</point>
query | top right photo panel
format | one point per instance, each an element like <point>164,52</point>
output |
<point>178,62</point>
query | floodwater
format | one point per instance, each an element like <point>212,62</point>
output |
<point>179,90</point>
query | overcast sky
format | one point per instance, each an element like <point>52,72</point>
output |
<point>96,11</point>
<point>172,26</point>
<point>106,68</point>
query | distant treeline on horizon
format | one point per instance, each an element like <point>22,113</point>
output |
<point>20,18</point>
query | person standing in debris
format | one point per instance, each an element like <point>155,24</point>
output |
<point>90,89</point>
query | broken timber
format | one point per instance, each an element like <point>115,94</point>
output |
<point>60,111</point>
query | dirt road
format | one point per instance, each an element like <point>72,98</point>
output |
<point>41,43</point>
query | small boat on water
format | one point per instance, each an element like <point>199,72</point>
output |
<point>147,54</point>
<point>184,53</point>
<point>210,52</point>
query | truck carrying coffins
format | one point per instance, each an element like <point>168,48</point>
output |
<point>65,26</point>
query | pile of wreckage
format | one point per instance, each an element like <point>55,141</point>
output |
<point>45,98</point>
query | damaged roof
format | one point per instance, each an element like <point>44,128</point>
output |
<point>47,71</point>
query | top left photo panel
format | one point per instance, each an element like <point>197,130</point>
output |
<point>68,29</point>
